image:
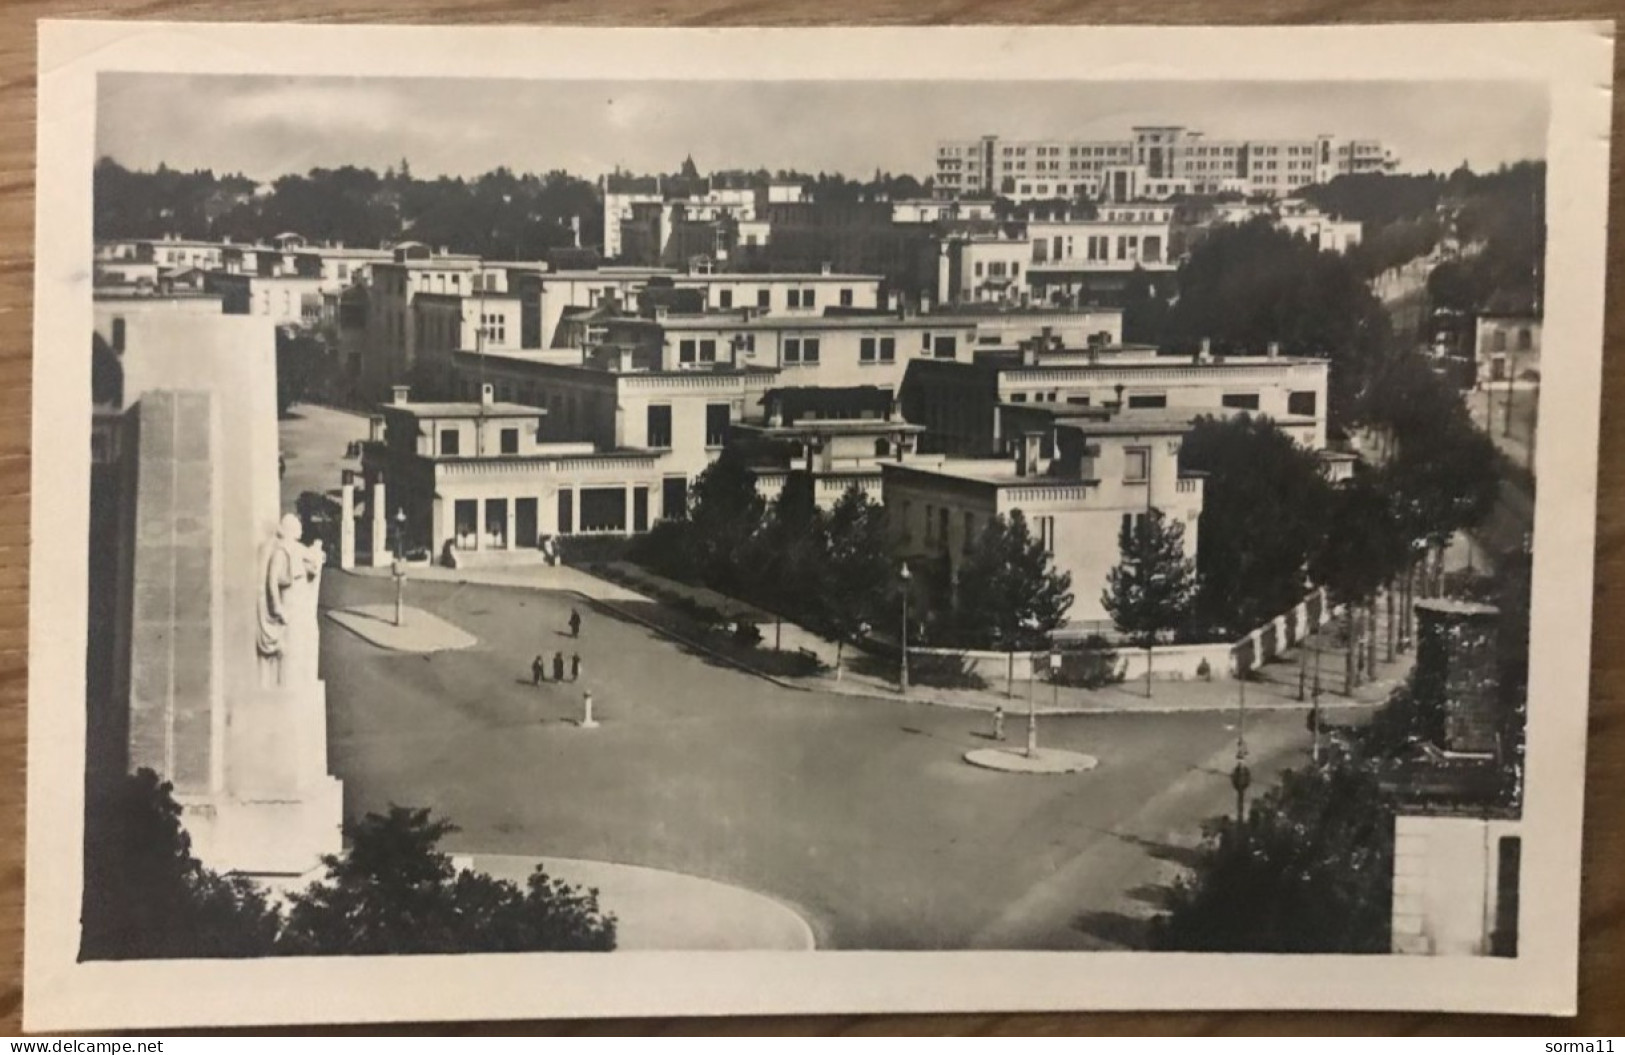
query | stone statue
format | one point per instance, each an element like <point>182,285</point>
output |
<point>291,575</point>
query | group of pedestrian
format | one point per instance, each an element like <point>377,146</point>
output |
<point>538,666</point>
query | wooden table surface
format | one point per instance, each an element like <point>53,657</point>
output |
<point>1602,940</point>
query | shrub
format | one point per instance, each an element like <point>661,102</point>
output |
<point>944,670</point>
<point>1091,666</point>
<point>747,634</point>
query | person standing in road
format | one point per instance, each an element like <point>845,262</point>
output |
<point>558,666</point>
<point>575,623</point>
<point>575,666</point>
<point>537,670</point>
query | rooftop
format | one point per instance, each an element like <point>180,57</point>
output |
<point>997,472</point>
<point>467,410</point>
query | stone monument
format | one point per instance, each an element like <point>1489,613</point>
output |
<point>220,652</point>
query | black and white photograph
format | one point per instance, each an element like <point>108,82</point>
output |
<point>800,513</point>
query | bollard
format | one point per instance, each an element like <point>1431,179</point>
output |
<point>586,711</point>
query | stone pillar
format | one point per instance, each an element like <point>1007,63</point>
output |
<point>248,761</point>
<point>347,527</point>
<point>379,515</point>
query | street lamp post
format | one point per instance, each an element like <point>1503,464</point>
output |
<point>902,671</point>
<point>399,566</point>
<point>1032,712</point>
<point>1241,776</point>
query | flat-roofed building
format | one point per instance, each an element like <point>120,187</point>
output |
<point>1076,474</point>
<point>478,484</point>
<point>826,440</point>
<point>959,402</point>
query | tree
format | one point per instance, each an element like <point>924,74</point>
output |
<point>1264,507</point>
<point>855,574</point>
<point>147,897</point>
<point>1151,590</point>
<point>1010,596</point>
<point>395,892</point>
<point>1364,548</point>
<point>1309,871</point>
<point>725,513</point>
<point>1248,285</point>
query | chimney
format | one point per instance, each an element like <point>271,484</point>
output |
<point>486,394</point>
<point>825,268</point>
<point>400,395</point>
<point>1205,353</point>
<point>1273,350</point>
<point>1029,351</point>
<point>375,429</point>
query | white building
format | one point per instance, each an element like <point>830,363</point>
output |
<point>1076,481</point>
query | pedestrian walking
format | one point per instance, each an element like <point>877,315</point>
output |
<point>575,666</point>
<point>537,670</point>
<point>558,666</point>
<point>575,623</point>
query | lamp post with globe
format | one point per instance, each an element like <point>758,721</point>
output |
<point>399,565</point>
<point>902,672</point>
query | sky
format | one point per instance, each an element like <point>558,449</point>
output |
<point>264,127</point>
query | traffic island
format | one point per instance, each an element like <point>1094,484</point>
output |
<point>417,631</point>
<point>1044,760</point>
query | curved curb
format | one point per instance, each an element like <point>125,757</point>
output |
<point>657,892</point>
<point>1045,761</point>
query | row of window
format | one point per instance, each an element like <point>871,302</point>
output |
<point>1298,404</point>
<point>718,416</point>
<point>451,441</point>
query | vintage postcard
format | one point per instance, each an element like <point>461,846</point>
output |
<point>810,520</point>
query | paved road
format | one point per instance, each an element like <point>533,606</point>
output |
<point>858,813</point>
<point>313,440</point>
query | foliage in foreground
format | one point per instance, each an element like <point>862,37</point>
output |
<point>1310,871</point>
<point>147,897</point>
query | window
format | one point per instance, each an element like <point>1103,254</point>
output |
<point>1136,465</point>
<point>868,349</point>
<point>1240,400</point>
<point>1147,401</point>
<point>808,298</point>
<point>792,349</point>
<point>1018,397</point>
<point>725,298</point>
<point>708,351</point>
<point>716,424</point>
<point>603,509</point>
<point>118,335</point>
<point>567,511</point>
<point>888,349</point>
<point>674,497</point>
<point>945,347</point>
<point>1504,938</point>
<point>942,527</point>
<point>450,441</point>
<point>1045,527</point>
<point>764,298</point>
<point>970,532</point>
<point>978,269</point>
<point>930,524</point>
<point>846,298</point>
<point>1526,339</point>
<point>659,427</point>
<point>686,351</point>
<point>496,524</point>
<point>795,298</point>
<point>510,441</point>
<point>1302,404</point>
<point>465,526</point>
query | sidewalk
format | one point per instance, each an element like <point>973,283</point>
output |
<point>1276,687</point>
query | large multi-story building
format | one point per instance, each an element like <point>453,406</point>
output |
<point>1154,162</point>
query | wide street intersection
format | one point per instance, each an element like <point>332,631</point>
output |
<point>859,814</point>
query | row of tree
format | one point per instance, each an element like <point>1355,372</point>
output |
<point>147,897</point>
<point>500,214</point>
<point>830,570</point>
